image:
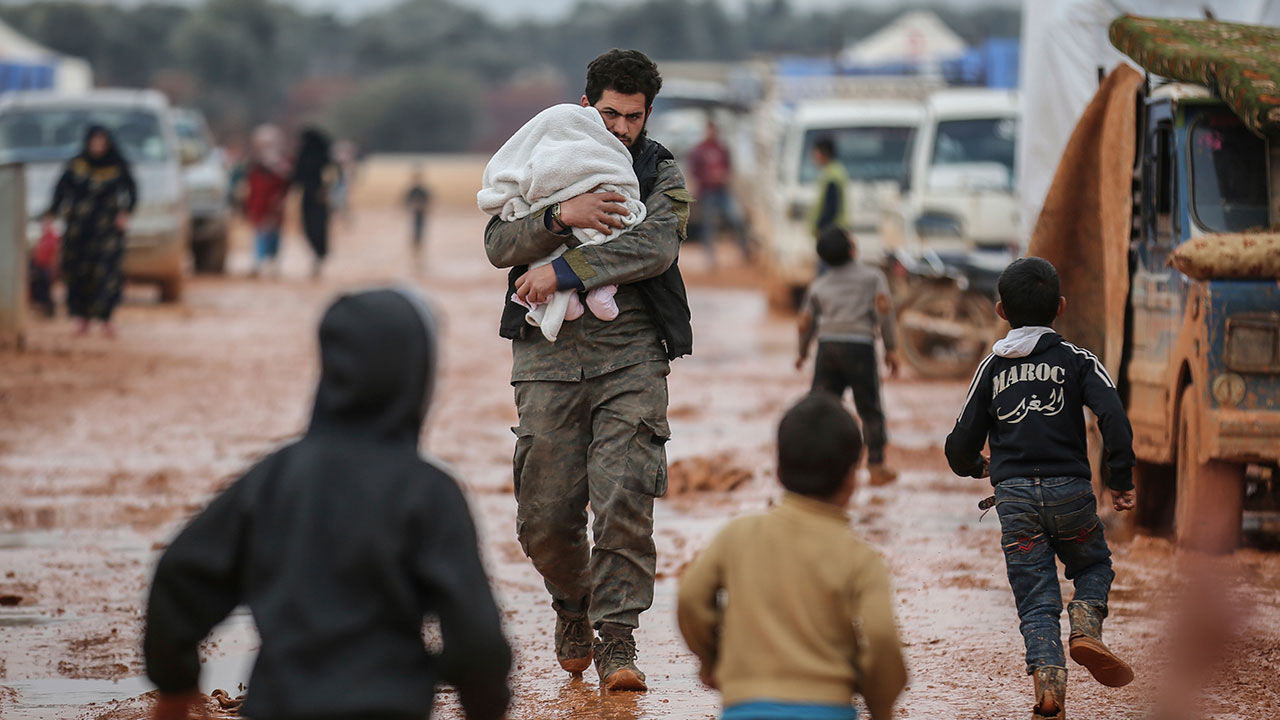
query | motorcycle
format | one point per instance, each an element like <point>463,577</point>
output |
<point>946,309</point>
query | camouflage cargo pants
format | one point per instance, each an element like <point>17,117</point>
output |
<point>599,442</point>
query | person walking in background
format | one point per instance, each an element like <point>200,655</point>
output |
<point>418,201</point>
<point>266,181</point>
<point>710,167</point>
<point>345,163</point>
<point>341,544</point>
<point>833,183</point>
<point>313,172</point>
<point>844,309</point>
<point>94,197</point>
<point>808,620</point>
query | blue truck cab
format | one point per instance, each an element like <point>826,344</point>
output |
<point>1201,365</point>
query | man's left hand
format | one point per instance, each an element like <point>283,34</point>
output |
<point>537,285</point>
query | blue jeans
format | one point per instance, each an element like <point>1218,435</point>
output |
<point>266,244</point>
<point>1041,518</point>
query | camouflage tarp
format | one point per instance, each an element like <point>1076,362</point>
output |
<point>1239,62</point>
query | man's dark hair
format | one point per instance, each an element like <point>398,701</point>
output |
<point>623,71</point>
<point>835,247</point>
<point>825,145</point>
<point>819,442</point>
<point>1029,292</point>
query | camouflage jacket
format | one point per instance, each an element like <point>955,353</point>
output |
<point>590,347</point>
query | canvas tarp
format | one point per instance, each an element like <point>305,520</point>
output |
<point>1064,42</point>
<point>1083,228</point>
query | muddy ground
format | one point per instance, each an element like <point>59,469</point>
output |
<point>107,446</point>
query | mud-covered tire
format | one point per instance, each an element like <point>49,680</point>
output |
<point>210,256</point>
<point>1210,494</point>
<point>951,355</point>
<point>171,289</point>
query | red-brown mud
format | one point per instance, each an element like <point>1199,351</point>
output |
<point>107,446</point>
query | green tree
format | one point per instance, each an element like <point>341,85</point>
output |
<point>426,109</point>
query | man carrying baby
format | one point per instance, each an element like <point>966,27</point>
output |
<point>593,404</point>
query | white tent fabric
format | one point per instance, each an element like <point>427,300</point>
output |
<point>918,36</point>
<point>1063,44</point>
<point>71,74</point>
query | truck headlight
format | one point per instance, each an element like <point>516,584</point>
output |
<point>1253,343</point>
<point>932,224</point>
<point>1228,389</point>
<point>797,210</point>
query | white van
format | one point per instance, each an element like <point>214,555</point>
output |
<point>873,139</point>
<point>43,129</point>
<point>961,196</point>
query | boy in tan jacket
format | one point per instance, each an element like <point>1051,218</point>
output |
<point>790,612</point>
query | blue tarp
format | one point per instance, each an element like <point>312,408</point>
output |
<point>25,76</point>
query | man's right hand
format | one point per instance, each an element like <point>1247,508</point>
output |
<point>594,211</point>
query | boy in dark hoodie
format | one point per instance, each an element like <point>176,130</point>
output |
<point>341,544</point>
<point>1027,400</point>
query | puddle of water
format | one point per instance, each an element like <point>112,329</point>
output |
<point>40,694</point>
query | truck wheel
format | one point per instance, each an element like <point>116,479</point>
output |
<point>1210,495</point>
<point>944,332</point>
<point>1156,485</point>
<point>171,289</point>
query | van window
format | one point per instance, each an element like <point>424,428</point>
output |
<point>1228,174</point>
<point>56,134</point>
<point>979,140</point>
<point>868,153</point>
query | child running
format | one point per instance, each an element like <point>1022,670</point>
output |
<point>340,544</point>
<point>844,309</point>
<point>809,616</point>
<point>1027,400</point>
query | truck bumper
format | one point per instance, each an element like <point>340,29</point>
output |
<point>1242,435</point>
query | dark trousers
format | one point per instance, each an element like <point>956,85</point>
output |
<point>852,365</point>
<point>1041,518</point>
<point>419,228</point>
<point>40,284</point>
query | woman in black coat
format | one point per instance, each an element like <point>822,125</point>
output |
<point>94,197</point>
<point>310,173</point>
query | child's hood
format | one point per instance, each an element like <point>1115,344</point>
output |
<point>1024,341</point>
<point>377,365</point>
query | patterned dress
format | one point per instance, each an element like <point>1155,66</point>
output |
<point>89,196</point>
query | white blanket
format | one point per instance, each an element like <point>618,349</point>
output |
<point>563,152</point>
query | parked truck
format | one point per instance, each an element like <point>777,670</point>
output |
<point>1197,352</point>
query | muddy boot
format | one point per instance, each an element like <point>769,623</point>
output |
<point>573,640</point>
<point>615,653</point>
<point>881,475</point>
<point>1088,649</point>
<point>1051,694</point>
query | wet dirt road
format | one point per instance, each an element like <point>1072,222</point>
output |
<point>106,446</point>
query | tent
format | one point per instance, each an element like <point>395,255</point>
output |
<point>27,65</point>
<point>915,38</point>
<point>1064,43</point>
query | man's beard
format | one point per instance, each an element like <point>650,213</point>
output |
<point>634,147</point>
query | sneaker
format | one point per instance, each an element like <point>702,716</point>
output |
<point>881,475</point>
<point>616,663</point>
<point>573,641</point>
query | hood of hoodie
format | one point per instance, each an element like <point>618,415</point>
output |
<point>377,365</point>
<point>1024,341</point>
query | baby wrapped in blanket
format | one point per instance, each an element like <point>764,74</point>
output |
<point>563,152</point>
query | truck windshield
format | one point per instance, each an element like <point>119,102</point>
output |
<point>867,153</point>
<point>56,134</point>
<point>977,141</point>
<point>1228,174</point>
